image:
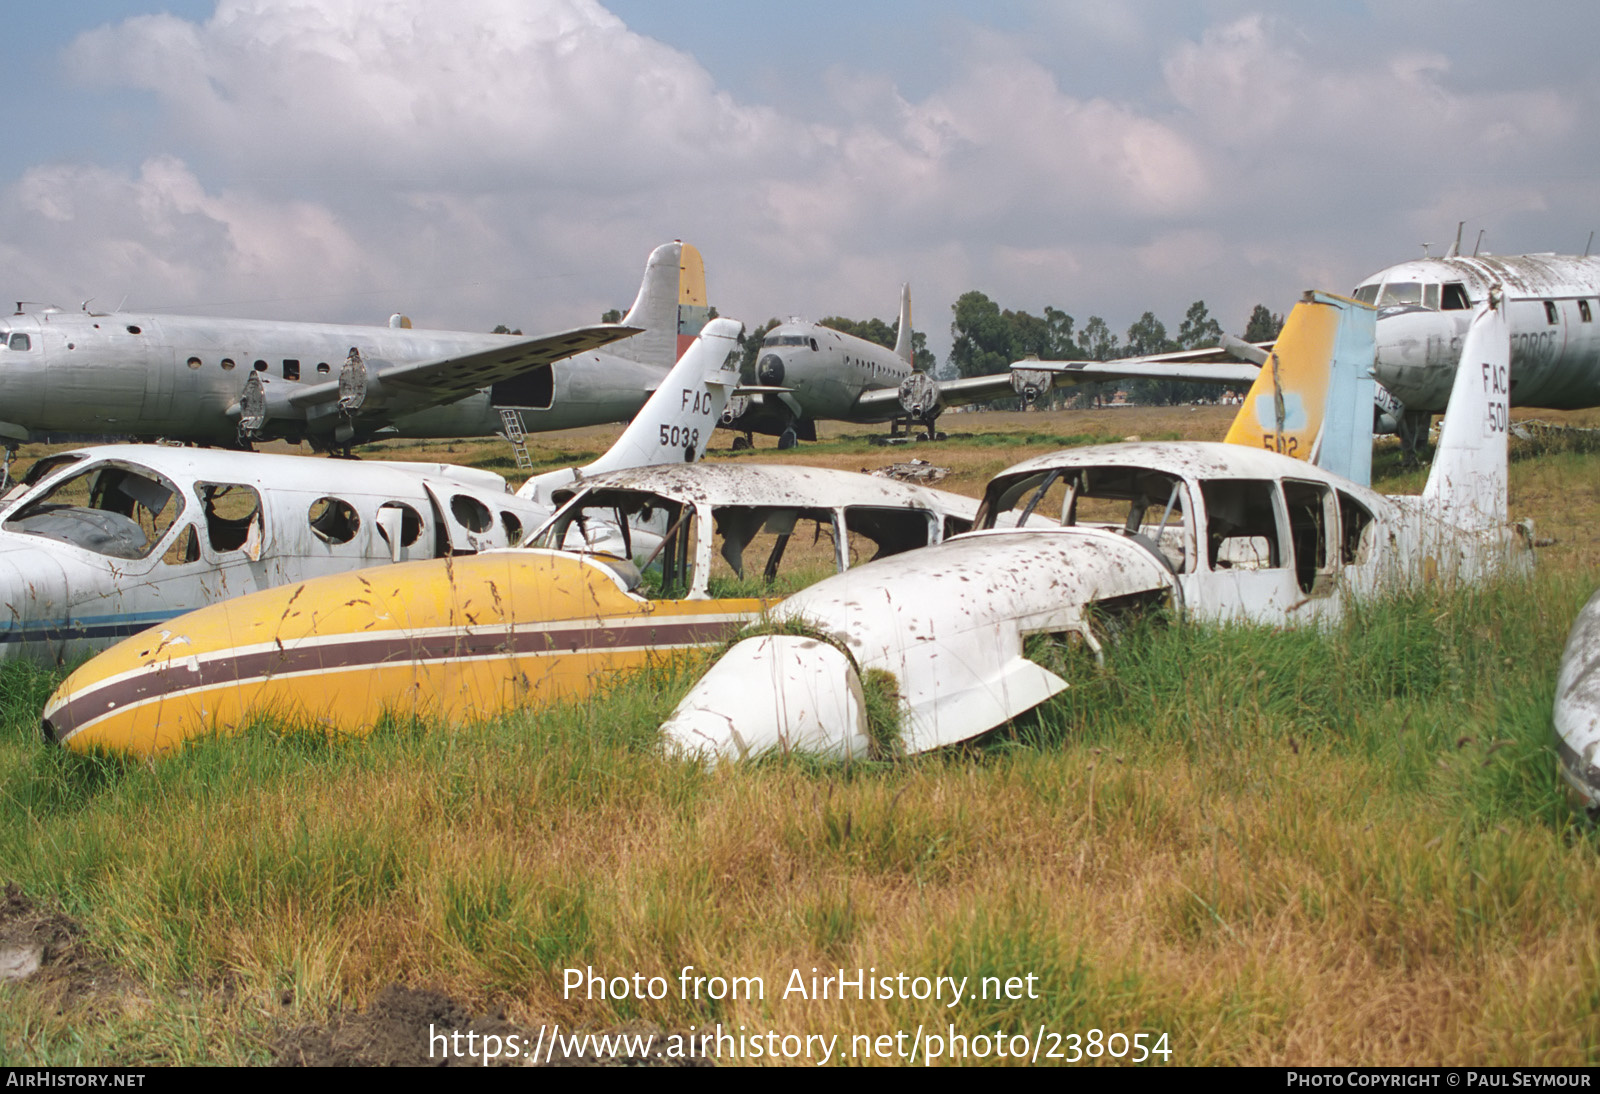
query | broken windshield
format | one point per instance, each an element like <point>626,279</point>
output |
<point>111,509</point>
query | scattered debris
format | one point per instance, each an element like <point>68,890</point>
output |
<point>918,471</point>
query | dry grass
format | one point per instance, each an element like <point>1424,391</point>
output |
<point>1275,848</point>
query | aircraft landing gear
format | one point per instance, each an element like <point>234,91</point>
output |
<point>741,444</point>
<point>1412,429</point>
<point>5,467</point>
<point>787,439</point>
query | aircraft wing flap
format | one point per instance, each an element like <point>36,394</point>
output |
<point>446,379</point>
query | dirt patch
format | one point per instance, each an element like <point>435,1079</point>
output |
<point>43,949</point>
<point>404,1025</point>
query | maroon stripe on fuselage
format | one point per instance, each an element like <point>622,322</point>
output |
<point>180,675</point>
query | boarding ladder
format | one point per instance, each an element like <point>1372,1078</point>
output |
<point>515,434</point>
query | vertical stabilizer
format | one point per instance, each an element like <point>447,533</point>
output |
<point>1346,447</point>
<point>1313,383</point>
<point>902,341</point>
<point>675,425</point>
<point>1467,486</point>
<point>671,301</point>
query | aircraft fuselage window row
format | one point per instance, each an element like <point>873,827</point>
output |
<point>291,366</point>
<point>790,340</point>
<point>16,340</point>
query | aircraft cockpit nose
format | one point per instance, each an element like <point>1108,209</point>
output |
<point>769,370</point>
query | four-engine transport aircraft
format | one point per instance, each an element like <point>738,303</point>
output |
<point>235,381</point>
<point>808,373</point>
<point>1425,307</point>
<point>100,543</point>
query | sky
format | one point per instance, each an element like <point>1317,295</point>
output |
<point>476,162</point>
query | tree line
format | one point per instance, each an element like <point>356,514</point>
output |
<point>987,338</point>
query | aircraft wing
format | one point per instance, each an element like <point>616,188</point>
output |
<point>1144,368</point>
<point>1221,364</point>
<point>968,389</point>
<point>446,379</point>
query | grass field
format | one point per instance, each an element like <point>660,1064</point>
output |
<point>1269,847</point>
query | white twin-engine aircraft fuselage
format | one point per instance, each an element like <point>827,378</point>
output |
<point>234,381</point>
<point>1552,306</point>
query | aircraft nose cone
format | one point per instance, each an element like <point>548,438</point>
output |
<point>769,370</point>
<point>773,693</point>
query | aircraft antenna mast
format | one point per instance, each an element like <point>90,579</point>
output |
<point>1425,253</point>
<point>1455,248</point>
<point>1479,244</point>
<point>1589,244</point>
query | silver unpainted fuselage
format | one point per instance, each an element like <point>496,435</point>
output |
<point>178,376</point>
<point>1554,313</point>
<point>829,371</point>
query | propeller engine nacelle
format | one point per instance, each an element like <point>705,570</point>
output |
<point>919,397</point>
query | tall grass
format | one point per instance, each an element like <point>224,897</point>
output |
<point>1273,846</point>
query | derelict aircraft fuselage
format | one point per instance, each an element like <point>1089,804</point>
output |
<point>232,381</point>
<point>1553,308</point>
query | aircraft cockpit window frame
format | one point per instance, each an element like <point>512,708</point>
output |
<point>1552,314</point>
<point>1367,294</point>
<point>1400,293</point>
<point>1455,297</point>
<point>1430,296</point>
<point>1313,514</point>
<point>1144,504</point>
<point>1584,314</point>
<point>19,341</point>
<point>111,508</point>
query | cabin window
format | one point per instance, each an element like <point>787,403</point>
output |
<point>1357,531</point>
<point>1583,311</point>
<point>322,367</point>
<point>227,364</point>
<point>291,369</point>
<point>410,523</point>
<point>110,509</point>
<point>194,362</point>
<point>1241,524</point>
<point>1551,316</point>
<point>513,527</point>
<point>134,330</point>
<point>185,548</point>
<point>20,341</point>
<point>334,520</point>
<point>260,366</point>
<point>874,532</point>
<point>471,513</point>
<point>233,516</point>
<point>1455,297</point>
<point>1311,512</point>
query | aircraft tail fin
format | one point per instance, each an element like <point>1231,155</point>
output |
<point>1467,486</point>
<point>671,306</point>
<point>675,425</point>
<point>1313,397</point>
<point>902,342</point>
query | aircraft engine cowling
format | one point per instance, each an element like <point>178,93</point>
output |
<point>1030,383</point>
<point>919,396</point>
<point>352,382</point>
<point>252,406</point>
<point>735,408</point>
<point>769,370</point>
